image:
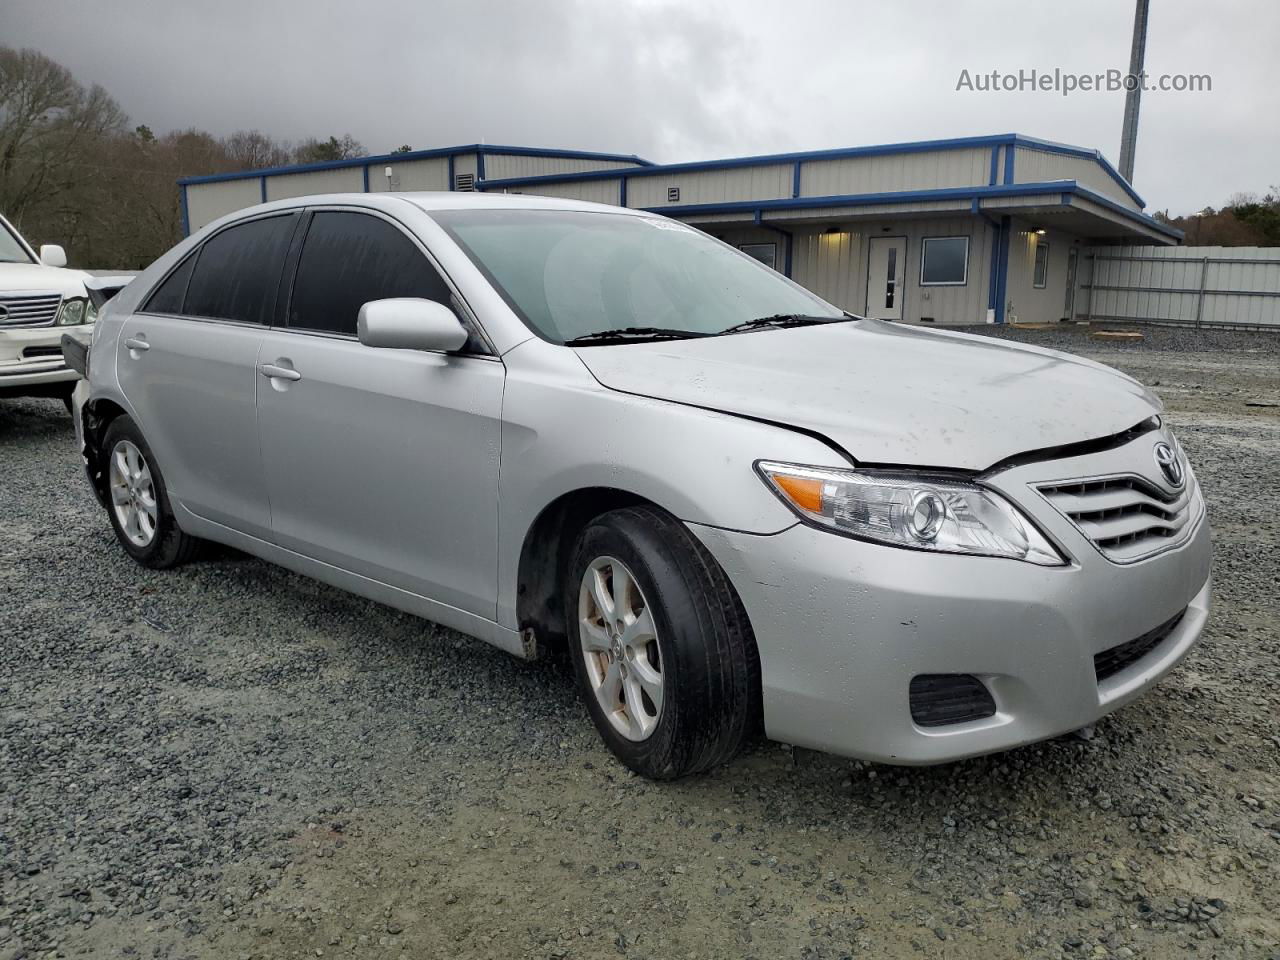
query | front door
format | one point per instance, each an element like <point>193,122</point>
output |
<point>886,267</point>
<point>381,462</point>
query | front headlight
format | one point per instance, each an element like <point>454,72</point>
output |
<point>918,511</point>
<point>75,311</point>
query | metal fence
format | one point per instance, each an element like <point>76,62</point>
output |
<point>1193,286</point>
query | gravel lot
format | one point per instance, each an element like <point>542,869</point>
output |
<point>232,761</point>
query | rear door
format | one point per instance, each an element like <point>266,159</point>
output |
<point>188,364</point>
<point>382,462</point>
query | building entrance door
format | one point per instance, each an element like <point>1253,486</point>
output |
<point>886,267</point>
<point>1068,307</point>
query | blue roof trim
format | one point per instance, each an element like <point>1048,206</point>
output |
<point>866,199</point>
<point>489,148</point>
<point>1066,189</point>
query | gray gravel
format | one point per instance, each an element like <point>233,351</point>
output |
<point>233,761</point>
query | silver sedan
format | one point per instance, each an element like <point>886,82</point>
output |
<point>551,424</point>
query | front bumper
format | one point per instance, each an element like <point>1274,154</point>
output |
<point>844,625</point>
<point>23,373</point>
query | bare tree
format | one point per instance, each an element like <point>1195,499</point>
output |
<point>49,127</point>
<point>254,150</point>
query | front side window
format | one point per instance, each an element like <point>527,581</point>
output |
<point>349,259</point>
<point>1041,273</point>
<point>944,261</point>
<point>569,273</point>
<point>11,248</point>
<point>237,272</point>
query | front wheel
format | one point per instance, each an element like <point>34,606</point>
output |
<point>138,501</point>
<point>664,653</point>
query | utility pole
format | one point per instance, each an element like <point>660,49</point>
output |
<point>1133,98</point>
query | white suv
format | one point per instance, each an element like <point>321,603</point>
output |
<point>40,300</point>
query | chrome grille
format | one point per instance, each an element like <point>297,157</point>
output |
<point>1126,517</point>
<point>29,309</point>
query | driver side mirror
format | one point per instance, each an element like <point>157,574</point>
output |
<point>409,323</point>
<point>52,255</point>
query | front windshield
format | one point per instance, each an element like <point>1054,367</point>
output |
<point>570,274</point>
<point>11,249</point>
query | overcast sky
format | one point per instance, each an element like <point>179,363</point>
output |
<point>676,81</point>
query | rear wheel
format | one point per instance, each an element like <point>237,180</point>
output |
<point>138,503</point>
<point>663,651</point>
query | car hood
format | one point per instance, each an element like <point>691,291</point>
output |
<point>887,393</point>
<point>36,277</point>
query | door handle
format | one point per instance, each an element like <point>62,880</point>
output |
<point>275,372</point>
<point>138,343</point>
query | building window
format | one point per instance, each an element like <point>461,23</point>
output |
<point>1040,278</point>
<point>944,262</point>
<point>766,253</point>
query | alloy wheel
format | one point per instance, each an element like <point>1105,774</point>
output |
<point>133,493</point>
<point>620,647</point>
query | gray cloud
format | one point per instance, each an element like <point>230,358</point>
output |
<point>678,80</point>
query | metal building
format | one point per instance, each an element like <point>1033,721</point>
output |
<point>962,231</point>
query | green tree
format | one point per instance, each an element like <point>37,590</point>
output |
<point>1263,216</point>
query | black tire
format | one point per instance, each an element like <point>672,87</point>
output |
<point>710,665</point>
<point>169,547</point>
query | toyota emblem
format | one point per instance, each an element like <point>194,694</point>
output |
<point>1169,464</point>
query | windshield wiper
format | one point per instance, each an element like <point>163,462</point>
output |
<point>779,321</point>
<point>623,334</point>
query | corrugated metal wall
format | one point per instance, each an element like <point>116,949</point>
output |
<point>207,202</point>
<point>596,191</point>
<point>1024,301</point>
<point>888,173</point>
<point>832,265</point>
<point>1038,166</point>
<point>1186,285</point>
<point>771,182</point>
<point>343,180</point>
<point>501,166</point>
<point>431,173</point>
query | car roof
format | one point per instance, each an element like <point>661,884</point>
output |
<point>504,201</point>
<point>429,201</point>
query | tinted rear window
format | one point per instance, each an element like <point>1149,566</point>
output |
<point>238,270</point>
<point>349,259</point>
<point>170,294</point>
